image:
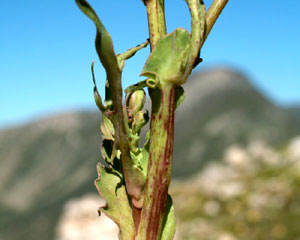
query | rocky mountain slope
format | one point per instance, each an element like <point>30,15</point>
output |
<point>251,194</point>
<point>51,160</point>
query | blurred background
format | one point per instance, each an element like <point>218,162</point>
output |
<point>237,135</point>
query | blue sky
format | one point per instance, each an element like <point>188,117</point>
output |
<point>46,48</point>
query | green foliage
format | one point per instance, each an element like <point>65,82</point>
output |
<point>103,41</point>
<point>180,95</point>
<point>112,188</point>
<point>169,229</point>
<point>167,62</point>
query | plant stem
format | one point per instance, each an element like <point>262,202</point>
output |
<point>161,139</point>
<point>213,13</point>
<point>156,20</point>
<point>162,120</point>
<point>160,159</point>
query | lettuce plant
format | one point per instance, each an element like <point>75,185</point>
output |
<point>134,180</point>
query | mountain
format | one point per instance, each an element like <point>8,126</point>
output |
<point>47,162</point>
<point>43,164</point>
<point>222,107</point>
<point>295,112</point>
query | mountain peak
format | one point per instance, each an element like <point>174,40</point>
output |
<point>207,86</point>
<point>214,80</point>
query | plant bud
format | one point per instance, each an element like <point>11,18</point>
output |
<point>136,101</point>
<point>139,121</point>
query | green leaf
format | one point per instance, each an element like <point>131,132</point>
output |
<point>104,45</point>
<point>140,119</point>
<point>97,95</point>
<point>106,150</point>
<point>145,154</point>
<point>107,129</point>
<point>138,86</point>
<point>167,62</point>
<point>108,103</point>
<point>180,95</point>
<point>169,225</point>
<point>130,53</point>
<point>112,189</point>
<point>108,58</point>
